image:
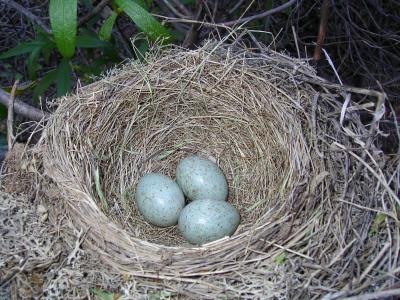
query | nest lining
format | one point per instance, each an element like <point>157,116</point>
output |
<point>275,137</point>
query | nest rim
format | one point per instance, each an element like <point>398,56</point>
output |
<point>167,261</point>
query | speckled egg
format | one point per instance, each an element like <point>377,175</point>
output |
<point>206,220</point>
<point>200,178</point>
<point>159,199</point>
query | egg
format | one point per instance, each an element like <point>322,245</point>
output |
<point>159,199</point>
<point>206,220</point>
<point>200,178</point>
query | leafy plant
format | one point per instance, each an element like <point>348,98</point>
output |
<point>97,49</point>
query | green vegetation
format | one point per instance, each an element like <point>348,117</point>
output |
<point>67,38</point>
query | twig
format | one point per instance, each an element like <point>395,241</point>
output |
<point>22,108</point>
<point>170,15</point>
<point>94,12</point>
<point>376,295</point>
<point>192,34</point>
<point>296,42</point>
<point>374,262</point>
<point>19,8</point>
<point>226,25</point>
<point>174,10</point>
<point>369,168</point>
<point>238,3</point>
<point>182,7</point>
<point>322,29</point>
<point>261,15</point>
<point>123,40</point>
<point>10,115</point>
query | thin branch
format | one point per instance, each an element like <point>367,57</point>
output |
<point>94,12</point>
<point>227,25</point>
<point>376,295</point>
<point>182,7</point>
<point>22,10</point>
<point>192,34</point>
<point>174,10</point>
<point>22,108</point>
<point>170,15</point>
<point>10,115</point>
<point>322,29</point>
<point>237,5</point>
<point>261,15</point>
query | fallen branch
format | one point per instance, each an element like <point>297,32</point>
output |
<point>22,10</point>
<point>22,108</point>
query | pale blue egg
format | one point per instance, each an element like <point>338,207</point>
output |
<point>159,199</point>
<point>206,220</point>
<point>200,178</point>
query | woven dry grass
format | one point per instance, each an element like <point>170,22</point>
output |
<point>318,200</point>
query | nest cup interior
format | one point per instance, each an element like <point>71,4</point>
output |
<point>145,119</point>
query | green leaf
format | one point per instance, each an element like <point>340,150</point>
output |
<point>144,20</point>
<point>63,20</point>
<point>63,77</point>
<point>106,28</point>
<point>3,112</point>
<point>281,258</point>
<point>87,40</point>
<point>45,39</point>
<point>22,49</point>
<point>44,84</point>
<point>104,295</point>
<point>32,63</point>
<point>46,55</point>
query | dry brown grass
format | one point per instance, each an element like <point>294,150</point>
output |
<point>310,187</point>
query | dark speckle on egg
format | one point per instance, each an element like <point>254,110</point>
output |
<point>159,199</point>
<point>206,220</point>
<point>200,178</point>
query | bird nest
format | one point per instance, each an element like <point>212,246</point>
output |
<point>303,169</point>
